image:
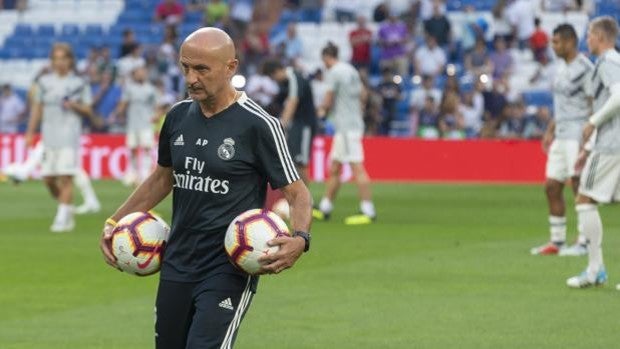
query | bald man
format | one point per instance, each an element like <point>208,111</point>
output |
<point>217,152</point>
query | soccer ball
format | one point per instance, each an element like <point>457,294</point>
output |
<point>138,241</point>
<point>247,236</point>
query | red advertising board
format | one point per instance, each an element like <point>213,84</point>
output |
<point>387,159</point>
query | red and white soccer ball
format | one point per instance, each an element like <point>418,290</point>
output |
<point>138,242</point>
<point>247,236</point>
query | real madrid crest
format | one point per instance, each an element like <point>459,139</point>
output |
<point>226,151</point>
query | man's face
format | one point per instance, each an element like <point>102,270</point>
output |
<point>205,73</point>
<point>558,45</point>
<point>61,62</point>
<point>593,40</point>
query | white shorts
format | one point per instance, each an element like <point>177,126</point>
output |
<point>600,179</point>
<point>60,162</point>
<point>561,159</point>
<point>347,147</point>
<point>144,138</point>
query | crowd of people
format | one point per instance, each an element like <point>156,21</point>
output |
<point>461,88</point>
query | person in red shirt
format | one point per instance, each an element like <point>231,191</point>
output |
<point>170,11</point>
<point>360,40</point>
<point>539,41</point>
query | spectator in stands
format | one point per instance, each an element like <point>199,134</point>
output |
<point>372,105</point>
<point>472,109</point>
<point>255,47</point>
<point>520,15</point>
<point>128,63</point>
<point>410,16</point>
<point>167,61</point>
<point>495,103</point>
<point>428,119</point>
<point>241,12</point>
<point>438,26</point>
<point>360,39</point>
<point>501,59</point>
<point>513,124</point>
<point>106,95</point>
<point>262,89</point>
<point>419,96</point>
<point>452,84</point>
<point>345,10</point>
<point>216,13</point>
<point>390,94</point>
<point>536,125</point>
<point>478,62</point>
<point>430,59</point>
<point>289,45</point>
<point>501,25</point>
<point>427,8</point>
<point>128,42</point>
<point>393,37</point>
<point>12,110</point>
<point>169,11</point>
<point>381,12</point>
<point>451,124</point>
<point>539,41</point>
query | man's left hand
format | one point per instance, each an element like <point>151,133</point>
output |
<point>290,250</point>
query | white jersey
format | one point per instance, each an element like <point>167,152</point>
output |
<point>344,81</point>
<point>60,127</point>
<point>570,98</point>
<point>141,103</point>
<point>606,74</point>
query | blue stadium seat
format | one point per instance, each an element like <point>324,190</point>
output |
<point>193,17</point>
<point>23,30</point>
<point>70,30</point>
<point>46,30</point>
<point>93,30</point>
<point>538,98</point>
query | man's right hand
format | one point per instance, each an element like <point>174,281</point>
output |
<point>106,245</point>
<point>29,139</point>
<point>546,141</point>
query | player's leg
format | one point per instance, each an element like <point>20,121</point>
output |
<point>173,314</point>
<point>332,185</point>
<point>556,172</point>
<point>131,174</point>
<point>52,186</point>
<point>91,202</point>
<point>146,143</point>
<point>19,172</point>
<point>580,247</point>
<point>221,303</point>
<point>599,184</point>
<point>64,214</point>
<point>355,150</point>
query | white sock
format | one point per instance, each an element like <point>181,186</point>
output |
<point>64,213</point>
<point>82,181</point>
<point>557,227</point>
<point>368,208</point>
<point>581,239</point>
<point>326,205</point>
<point>588,216</point>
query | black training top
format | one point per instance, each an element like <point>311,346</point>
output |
<point>298,86</point>
<point>221,167</point>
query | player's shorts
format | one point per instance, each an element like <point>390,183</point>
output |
<point>347,147</point>
<point>60,162</point>
<point>600,179</point>
<point>561,159</point>
<point>299,140</point>
<point>204,314</point>
<point>144,138</point>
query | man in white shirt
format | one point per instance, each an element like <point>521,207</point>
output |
<point>12,110</point>
<point>430,59</point>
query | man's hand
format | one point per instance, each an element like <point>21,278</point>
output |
<point>587,132</point>
<point>321,112</point>
<point>106,245</point>
<point>290,250</point>
<point>546,141</point>
<point>581,161</point>
<point>29,137</point>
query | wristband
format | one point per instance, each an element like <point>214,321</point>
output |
<point>111,222</point>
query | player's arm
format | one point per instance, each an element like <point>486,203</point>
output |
<point>150,193</point>
<point>548,136</point>
<point>291,248</point>
<point>292,101</point>
<point>610,108</point>
<point>35,119</point>
<point>120,109</point>
<point>327,104</point>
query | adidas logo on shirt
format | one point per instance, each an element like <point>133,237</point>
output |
<point>179,141</point>
<point>226,304</point>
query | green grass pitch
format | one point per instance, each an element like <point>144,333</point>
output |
<point>445,266</point>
